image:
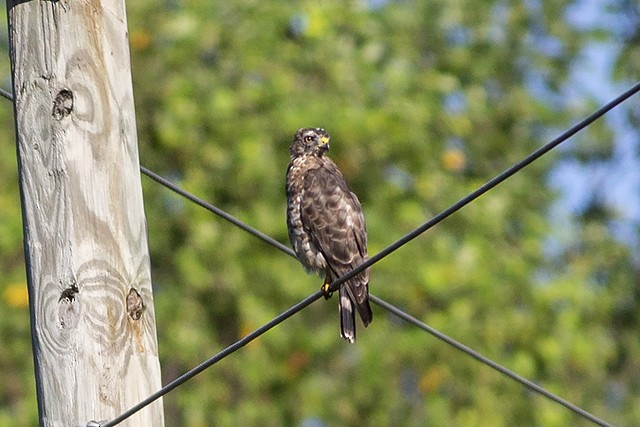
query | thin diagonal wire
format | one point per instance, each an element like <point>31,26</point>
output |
<point>482,359</point>
<point>6,94</point>
<point>487,186</point>
<point>216,210</point>
<point>213,360</point>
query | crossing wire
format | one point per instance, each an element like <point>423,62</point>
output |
<point>385,252</point>
<point>489,185</point>
<point>216,210</point>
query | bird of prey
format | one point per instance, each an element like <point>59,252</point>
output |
<point>326,225</point>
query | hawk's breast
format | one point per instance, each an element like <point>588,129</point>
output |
<point>308,254</point>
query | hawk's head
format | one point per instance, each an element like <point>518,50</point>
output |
<point>310,141</point>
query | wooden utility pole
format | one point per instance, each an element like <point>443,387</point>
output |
<point>92,317</point>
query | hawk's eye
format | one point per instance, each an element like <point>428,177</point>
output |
<point>308,138</point>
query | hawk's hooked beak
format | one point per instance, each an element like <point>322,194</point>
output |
<point>324,142</point>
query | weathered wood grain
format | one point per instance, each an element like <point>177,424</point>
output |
<point>93,325</point>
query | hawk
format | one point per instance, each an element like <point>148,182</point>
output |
<point>326,225</point>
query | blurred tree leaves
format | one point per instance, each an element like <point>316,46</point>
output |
<point>425,101</point>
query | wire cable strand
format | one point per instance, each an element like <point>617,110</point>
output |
<point>485,360</point>
<point>216,210</point>
<point>6,94</point>
<point>487,186</point>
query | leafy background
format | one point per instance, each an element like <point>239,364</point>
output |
<point>425,100</point>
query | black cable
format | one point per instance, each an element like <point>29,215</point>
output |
<point>6,94</point>
<point>482,359</point>
<point>217,211</point>
<point>213,360</point>
<point>487,186</point>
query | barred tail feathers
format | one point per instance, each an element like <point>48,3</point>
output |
<point>347,317</point>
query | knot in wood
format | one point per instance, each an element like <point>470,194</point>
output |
<point>135,304</point>
<point>69,307</point>
<point>69,293</point>
<point>62,104</point>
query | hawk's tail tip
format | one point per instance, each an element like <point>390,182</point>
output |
<point>347,319</point>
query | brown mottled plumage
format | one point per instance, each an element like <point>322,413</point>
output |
<point>326,224</point>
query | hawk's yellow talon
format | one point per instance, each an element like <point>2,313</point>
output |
<point>326,286</point>
<point>326,290</point>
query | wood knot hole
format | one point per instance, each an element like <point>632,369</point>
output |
<point>69,307</point>
<point>135,304</point>
<point>69,293</point>
<point>62,104</point>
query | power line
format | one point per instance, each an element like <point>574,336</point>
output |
<point>214,209</point>
<point>488,185</point>
<point>387,306</point>
<point>6,94</point>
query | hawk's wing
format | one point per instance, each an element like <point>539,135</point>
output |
<point>333,217</point>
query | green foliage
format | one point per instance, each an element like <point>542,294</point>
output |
<point>424,101</point>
